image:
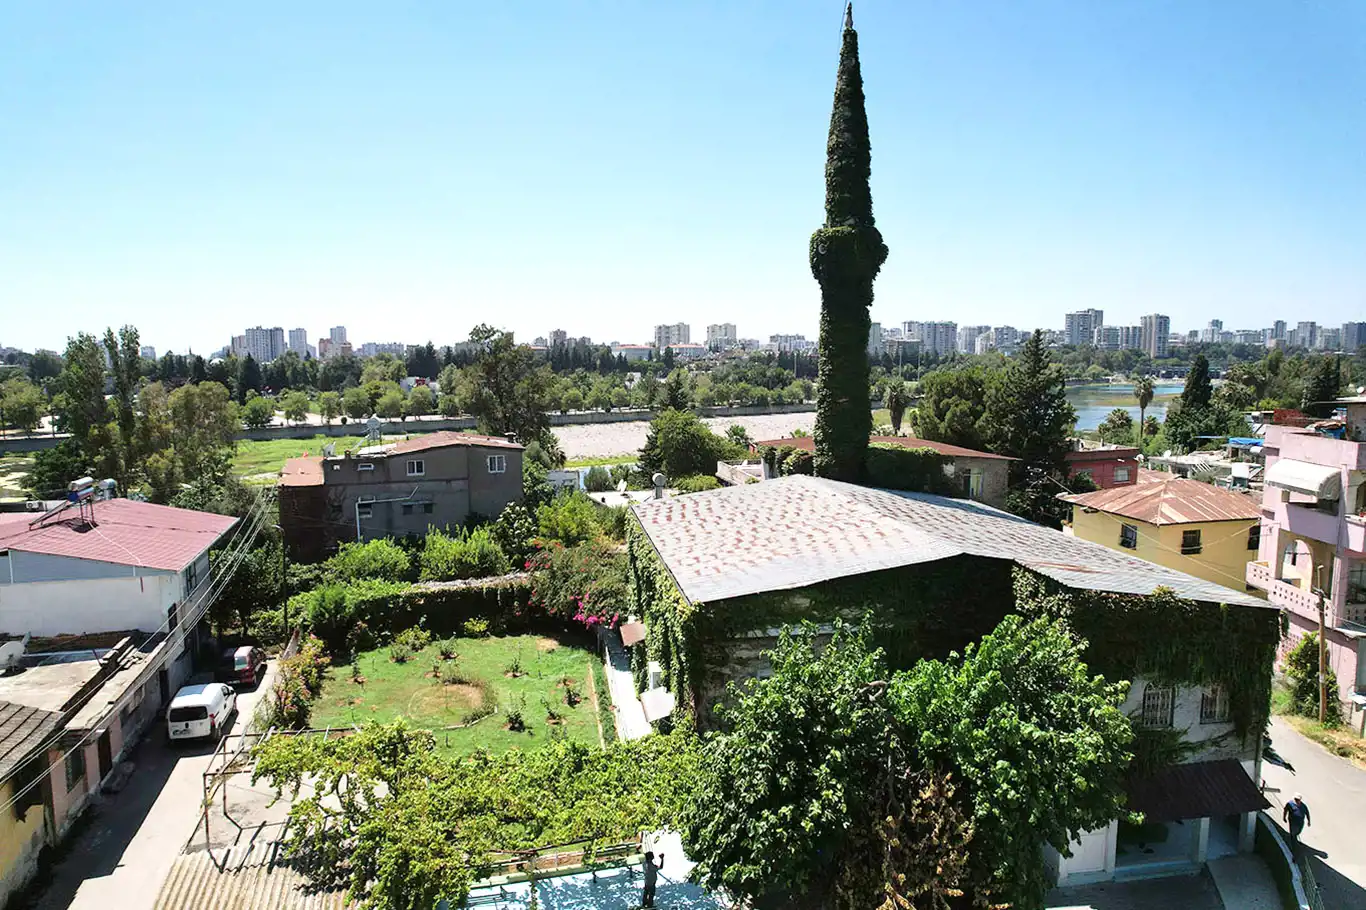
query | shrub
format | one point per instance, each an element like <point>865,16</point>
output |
<point>464,554</point>
<point>570,519</point>
<point>517,715</point>
<point>476,628</point>
<point>613,522</point>
<point>414,638</point>
<point>400,653</point>
<point>597,480</point>
<point>446,647</point>
<point>514,531</point>
<point>1302,666</point>
<point>696,483</point>
<point>895,467</point>
<point>586,583</point>
<point>552,713</point>
<point>381,558</point>
<point>297,683</point>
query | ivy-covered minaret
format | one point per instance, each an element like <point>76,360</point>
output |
<point>846,255</point>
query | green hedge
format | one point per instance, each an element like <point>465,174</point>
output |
<point>894,467</point>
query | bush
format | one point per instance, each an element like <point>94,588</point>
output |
<point>464,554</point>
<point>400,653</point>
<point>475,628</point>
<point>414,638</point>
<point>597,480</point>
<point>1302,666</point>
<point>696,483</point>
<point>569,518</point>
<point>258,413</point>
<point>613,522</point>
<point>920,470</point>
<point>586,583</point>
<point>446,648</point>
<point>297,683</point>
<point>680,444</point>
<point>381,558</point>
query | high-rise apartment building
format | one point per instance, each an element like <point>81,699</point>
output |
<point>1211,332</point>
<point>1329,339</point>
<point>1353,336</point>
<point>298,341</point>
<point>875,346</point>
<point>967,337</point>
<point>1278,330</point>
<point>722,337</point>
<point>1080,327</point>
<point>1005,337</point>
<point>934,337</point>
<point>264,344</point>
<point>558,338</point>
<point>147,352</point>
<point>337,335</point>
<point>1154,329</point>
<point>1307,334</point>
<point>666,335</point>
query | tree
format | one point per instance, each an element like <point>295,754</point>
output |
<point>123,354</point>
<point>677,391</point>
<point>508,388</point>
<point>420,401</point>
<point>390,404</point>
<point>896,402</point>
<point>329,407</point>
<point>952,406</point>
<point>1302,668</point>
<point>845,255</point>
<point>1198,390</point>
<point>248,378</point>
<point>572,400</point>
<point>1117,427</point>
<point>1143,391</point>
<point>1322,388</point>
<point>295,406</point>
<point>679,444</point>
<point>80,405</point>
<point>205,421</point>
<point>356,403</point>
<point>258,412</point>
<point>22,403</point>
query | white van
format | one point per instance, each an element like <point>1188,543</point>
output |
<point>199,711</point>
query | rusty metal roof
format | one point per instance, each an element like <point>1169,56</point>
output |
<point>444,438</point>
<point>1169,501</point>
<point>799,531</point>
<point>1201,789</point>
<point>304,471</point>
<point>808,443</point>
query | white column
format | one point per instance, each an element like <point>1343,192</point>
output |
<point>1200,841</point>
<point>1247,831</point>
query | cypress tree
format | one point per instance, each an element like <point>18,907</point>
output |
<point>846,255</point>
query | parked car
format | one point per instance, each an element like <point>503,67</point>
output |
<point>242,666</point>
<point>201,711</point>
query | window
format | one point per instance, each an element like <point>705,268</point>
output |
<point>1128,537</point>
<point>407,508</point>
<point>1158,703</point>
<point>1190,543</point>
<point>75,767</point>
<point>498,464</point>
<point>365,466</point>
<point>191,577</point>
<point>417,467</point>
<point>364,511</point>
<point>426,508</point>
<point>1214,706</point>
<point>1121,475</point>
<point>1254,536</point>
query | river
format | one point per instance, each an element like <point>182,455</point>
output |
<point>1095,402</point>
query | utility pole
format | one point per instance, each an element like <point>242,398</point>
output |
<point>1323,647</point>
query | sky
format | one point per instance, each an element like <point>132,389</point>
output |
<point>411,170</point>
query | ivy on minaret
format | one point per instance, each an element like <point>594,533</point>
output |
<point>846,255</point>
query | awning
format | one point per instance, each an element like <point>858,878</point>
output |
<point>1316,480</point>
<point>1202,789</point>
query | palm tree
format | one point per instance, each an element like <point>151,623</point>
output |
<point>1143,391</point>
<point>897,402</point>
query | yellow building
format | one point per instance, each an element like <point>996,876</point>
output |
<point>1196,528</point>
<point>25,735</point>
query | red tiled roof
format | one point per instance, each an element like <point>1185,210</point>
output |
<point>125,532</point>
<point>304,471</point>
<point>445,438</point>
<point>1174,501</point>
<point>808,443</point>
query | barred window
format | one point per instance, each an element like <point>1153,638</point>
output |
<point>1128,537</point>
<point>1214,706</point>
<point>1158,705</point>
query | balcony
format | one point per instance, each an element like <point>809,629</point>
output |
<point>1356,533</point>
<point>1317,524</point>
<point>1282,593</point>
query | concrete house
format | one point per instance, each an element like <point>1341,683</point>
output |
<point>1183,524</point>
<point>1103,464</point>
<point>714,576</point>
<point>396,489</point>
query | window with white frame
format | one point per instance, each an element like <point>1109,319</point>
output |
<point>1128,537</point>
<point>365,511</point>
<point>1214,706</point>
<point>416,467</point>
<point>365,466</point>
<point>75,767</point>
<point>498,464</point>
<point>1159,703</point>
<point>1121,475</point>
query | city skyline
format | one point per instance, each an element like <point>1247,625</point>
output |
<point>1031,160</point>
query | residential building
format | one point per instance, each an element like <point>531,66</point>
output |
<point>1307,335</point>
<point>264,344</point>
<point>1193,337</point>
<point>936,338</point>
<point>559,338</point>
<point>968,335</point>
<point>981,476</point>
<point>669,335</point>
<point>1314,537</point>
<point>1211,332</point>
<point>147,352</point>
<point>396,489</point>
<point>375,348</point>
<point>1329,339</point>
<point>1187,525</point>
<point>238,346</point>
<point>1278,330</point>
<point>789,343</point>
<point>722,337</point>
<point>1104,464</point>
<point>985,342</point>
<point>298,342</point>
<point>1155,329</point>
<point>1353,336</point>
<point>1080,327</point>
<point>1005,338</point>
<point>1248,336</point>
<point>689,350</point>
<point>1106,338</point>
<point>634,351</point>
<point>337,334</point>
<point>930,567</point>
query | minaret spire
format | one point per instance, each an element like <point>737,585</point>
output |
<point>846,255</point>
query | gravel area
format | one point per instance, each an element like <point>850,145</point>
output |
<point>599,440</point>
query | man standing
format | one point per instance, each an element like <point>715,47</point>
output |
<point>651,877</point>
<point>1296,813</point>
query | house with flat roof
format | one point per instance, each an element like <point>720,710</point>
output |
<point>395,489</point>
<point>1103,464</point>
<point>714,577</point>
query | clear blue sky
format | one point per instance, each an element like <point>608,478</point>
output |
<point>411,170</point>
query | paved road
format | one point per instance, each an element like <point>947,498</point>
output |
<point>1335,790</point>
<point>1187,892</point>
<point>128,844</point>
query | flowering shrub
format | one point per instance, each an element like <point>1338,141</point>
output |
<point>586,583</point>
<point>298,682</point>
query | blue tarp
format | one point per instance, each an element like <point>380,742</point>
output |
<point>1245,440</point>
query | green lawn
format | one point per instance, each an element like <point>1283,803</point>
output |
<point>603,460</point>
<point>13,470</point>
<point>392,690</point>
<point>266,456</point>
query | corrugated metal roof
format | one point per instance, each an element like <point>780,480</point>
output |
<point>23,730</point>
<point>254,877</point>
<point>125,532</point>
<point>1169,501</point>
<point>808,443</point>
<point>1202,789</point>
<point>798,531</point>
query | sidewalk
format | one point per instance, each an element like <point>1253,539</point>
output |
<point>1244,882</point>
<point>631,722</point>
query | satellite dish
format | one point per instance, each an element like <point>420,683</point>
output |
<point>330,450</point>
<point>372,429</point>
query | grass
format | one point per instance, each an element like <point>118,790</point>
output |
<point>408,690</point>
<point>606,717</point>
<point>1341,741</point>
<point>267,456</point>
<point>603,460</point>
<point>13,470</point>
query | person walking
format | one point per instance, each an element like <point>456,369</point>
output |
<point>651,878</point>
<point>1296,813</point>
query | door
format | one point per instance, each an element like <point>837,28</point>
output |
<point>164,684</point>
<point>106,754</point>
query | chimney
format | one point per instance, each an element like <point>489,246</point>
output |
<point>659,481</point>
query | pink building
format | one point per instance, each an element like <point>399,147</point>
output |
<point>1314,536</point>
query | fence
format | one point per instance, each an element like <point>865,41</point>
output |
<point>1294,878</point>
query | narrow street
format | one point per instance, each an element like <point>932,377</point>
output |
<point>1335,791</point>
<point>128,843</point>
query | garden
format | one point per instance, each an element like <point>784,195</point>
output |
<point>487,692</point>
